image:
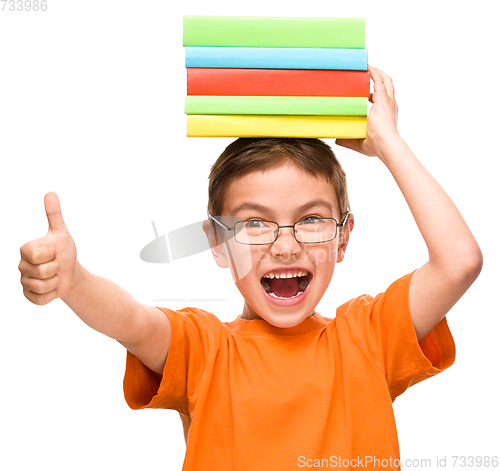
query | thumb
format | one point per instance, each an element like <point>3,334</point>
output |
<point>53,211</point>
<point>353,144</point>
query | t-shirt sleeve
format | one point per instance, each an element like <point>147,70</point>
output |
<point>386,331</point>
<point>193,337</point>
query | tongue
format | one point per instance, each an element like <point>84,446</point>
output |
<point>284,287</point>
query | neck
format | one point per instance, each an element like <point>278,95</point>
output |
<point>249,314</point>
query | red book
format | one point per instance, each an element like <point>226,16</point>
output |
<point>278,82</point>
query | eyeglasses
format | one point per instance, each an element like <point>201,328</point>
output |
<point>311,230</point>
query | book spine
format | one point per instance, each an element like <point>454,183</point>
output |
<point>276,105</point>
<point>343,127</point>
<point>344,33</point>
<point>276,58</point>
<point>278,82</point>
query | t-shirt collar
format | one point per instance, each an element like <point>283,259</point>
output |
<point>311,324</point>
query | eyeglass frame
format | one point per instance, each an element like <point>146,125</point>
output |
<point>338,224</point>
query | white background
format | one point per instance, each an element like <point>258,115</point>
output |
<point>91,107</point>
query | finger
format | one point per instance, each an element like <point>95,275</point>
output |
<point>389,85</point>
<point>353,144</point>
<point>42,271</point>
<point>374,73</point>
<point>381,81</point>
<point>378,82</point>
<point>40,286</point>
<point>40,299</point>
<point>36,254</point>
<point>53,212</point>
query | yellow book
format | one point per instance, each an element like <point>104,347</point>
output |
<point>344,127</point>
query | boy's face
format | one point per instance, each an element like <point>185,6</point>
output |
<point>285,195</point>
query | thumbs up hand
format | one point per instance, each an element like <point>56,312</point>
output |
<point>48,266</point>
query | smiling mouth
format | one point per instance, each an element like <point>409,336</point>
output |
<point>286,284</point>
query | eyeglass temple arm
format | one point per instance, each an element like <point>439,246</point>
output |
<point>220,223</point>
<point>341,224</point>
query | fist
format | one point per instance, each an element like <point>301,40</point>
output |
<point>48,265</point>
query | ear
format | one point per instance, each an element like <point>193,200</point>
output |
<point>217,248</point>
<point>344,237</point>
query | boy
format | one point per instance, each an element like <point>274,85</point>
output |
<point>282,387</point>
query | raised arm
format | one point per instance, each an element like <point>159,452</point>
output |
<point>50,269</point>
<point>455,259</point>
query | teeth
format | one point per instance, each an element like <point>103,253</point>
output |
<point>294,274</point>
<point>266,286</point>
<point>303,285</point>
<point>291,297</point>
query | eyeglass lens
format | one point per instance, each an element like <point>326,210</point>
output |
<point>311,230</point>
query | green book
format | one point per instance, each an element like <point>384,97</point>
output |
<point>276,105</point>
<point>253,31</point>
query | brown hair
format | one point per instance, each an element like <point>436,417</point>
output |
<point>247,155</point>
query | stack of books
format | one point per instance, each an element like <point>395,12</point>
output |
<point>276,77</point>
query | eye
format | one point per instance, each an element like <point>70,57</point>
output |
<point>254,224</point>
<point>311,220</point>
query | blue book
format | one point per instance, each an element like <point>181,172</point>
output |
<point>276,58</point>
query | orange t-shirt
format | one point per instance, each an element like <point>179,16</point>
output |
<point>254,397</point>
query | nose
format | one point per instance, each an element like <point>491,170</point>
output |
<point>285,246</point>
